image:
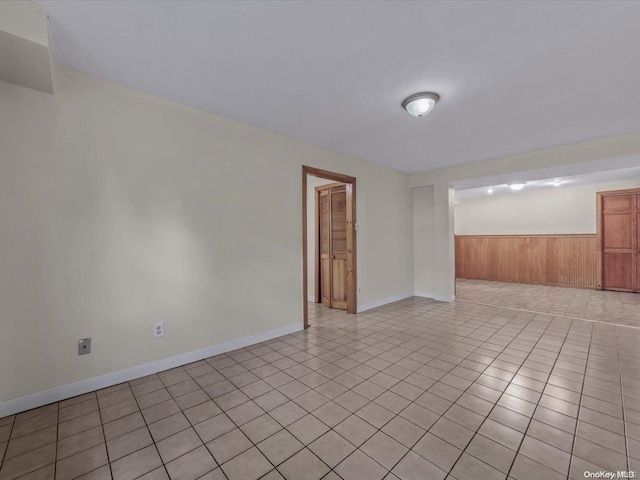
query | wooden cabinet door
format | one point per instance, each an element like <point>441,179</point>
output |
<point>619,243</point>
<point>324,201</point>
<point>339,247</point>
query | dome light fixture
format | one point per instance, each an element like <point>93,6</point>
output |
<point>516,186</point>
<point>419,104</point>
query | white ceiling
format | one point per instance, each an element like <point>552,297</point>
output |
<point>513,76</point>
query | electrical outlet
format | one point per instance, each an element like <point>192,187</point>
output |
<point>158,330</point>
<point>84,346</point>
<point>359,290</point>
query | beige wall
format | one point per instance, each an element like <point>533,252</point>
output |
<point>312,183</point>
<point>119,209</point>
<point>26,20</point>
<point>25,52</point>
<point>423,239</point>
<point>561,210</point>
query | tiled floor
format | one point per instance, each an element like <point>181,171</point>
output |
<point>613,307</point>
<point>413,390</point>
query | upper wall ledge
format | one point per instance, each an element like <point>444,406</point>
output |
<point>579,153</point>
<point>26,57</point>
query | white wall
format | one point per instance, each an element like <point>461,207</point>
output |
<point>312,183</point>
<point>25,52</point>
<point>119,209</point>
<point>561,210</point>
<point>26,20</point>
<point>423,239</point>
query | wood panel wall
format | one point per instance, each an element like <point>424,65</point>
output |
<point>567,260</point>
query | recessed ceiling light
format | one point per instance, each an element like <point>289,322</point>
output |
<point>557,183</point>
<point>516,186</point>
<point>419,104</point>
<point>490,191</point>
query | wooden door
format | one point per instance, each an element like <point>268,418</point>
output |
<point>339,247</point>
<point>636,267</point>
<point>325,246</point>
<point>620,242</point>
<point>332,225</point>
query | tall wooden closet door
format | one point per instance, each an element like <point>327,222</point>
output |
<point>339,247</point>
<point>325,246</point>
<point>620,242</point>
<point>637,246</point>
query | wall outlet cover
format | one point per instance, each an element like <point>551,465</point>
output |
<point>158,330</point>
<point>84,346</point>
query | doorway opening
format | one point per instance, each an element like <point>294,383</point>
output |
<point>329,260</point>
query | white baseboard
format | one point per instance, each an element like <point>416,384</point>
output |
<point>34,400</point>
<point>439,298</point>
<point>444,298</point>
<point>424,294</point>
<point>384,301</point>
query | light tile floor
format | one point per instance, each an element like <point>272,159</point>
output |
<point>413,390</point>
<point>604,306</point>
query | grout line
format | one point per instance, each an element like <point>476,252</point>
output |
<point>255,445</point>
<point>452,403</point>
<point>55,457</point>
<point>520,366</point>
<point>575,431</point>
<point>624,423</point>
<point>372,400</point>
<point>465,390</point>
<point>223,411</point>
<point>146,425</point>
<point>557,355</point>
<point>548,314</point>
<point>80,433</point>
<point>377,429</point>
<point>537,404</point>
<point>103,436</point>
<point>6,448</point>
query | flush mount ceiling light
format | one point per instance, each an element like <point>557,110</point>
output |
<point>490,191</point>
<point>516,186</point>
<point>419,104</point>
<point>557,183</point>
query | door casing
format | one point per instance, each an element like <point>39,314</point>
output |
<point>352,273</point>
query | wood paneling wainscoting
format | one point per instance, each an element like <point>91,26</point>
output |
<point>567,260</point>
